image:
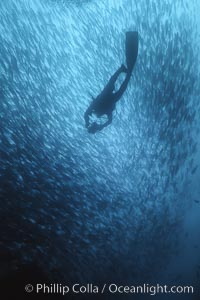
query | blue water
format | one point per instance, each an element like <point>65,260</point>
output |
<point>118,205</point>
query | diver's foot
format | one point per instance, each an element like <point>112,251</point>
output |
<point>123,68</point>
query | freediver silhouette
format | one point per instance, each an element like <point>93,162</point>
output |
<point>104,103</point>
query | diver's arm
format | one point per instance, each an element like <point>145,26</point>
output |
<point>109,119</point>
<point>100,127</point>
<point>86,116</point>
<point>96,127</point>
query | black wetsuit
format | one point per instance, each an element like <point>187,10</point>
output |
<point>104,104</point>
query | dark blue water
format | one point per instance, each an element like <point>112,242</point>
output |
<point>121,205</point>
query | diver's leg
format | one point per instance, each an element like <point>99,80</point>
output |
<point>113,79</point>
<point>122,89</point>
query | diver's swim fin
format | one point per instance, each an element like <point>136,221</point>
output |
<point>131,49</point>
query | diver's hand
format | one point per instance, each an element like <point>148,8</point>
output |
<point>94,127</point>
